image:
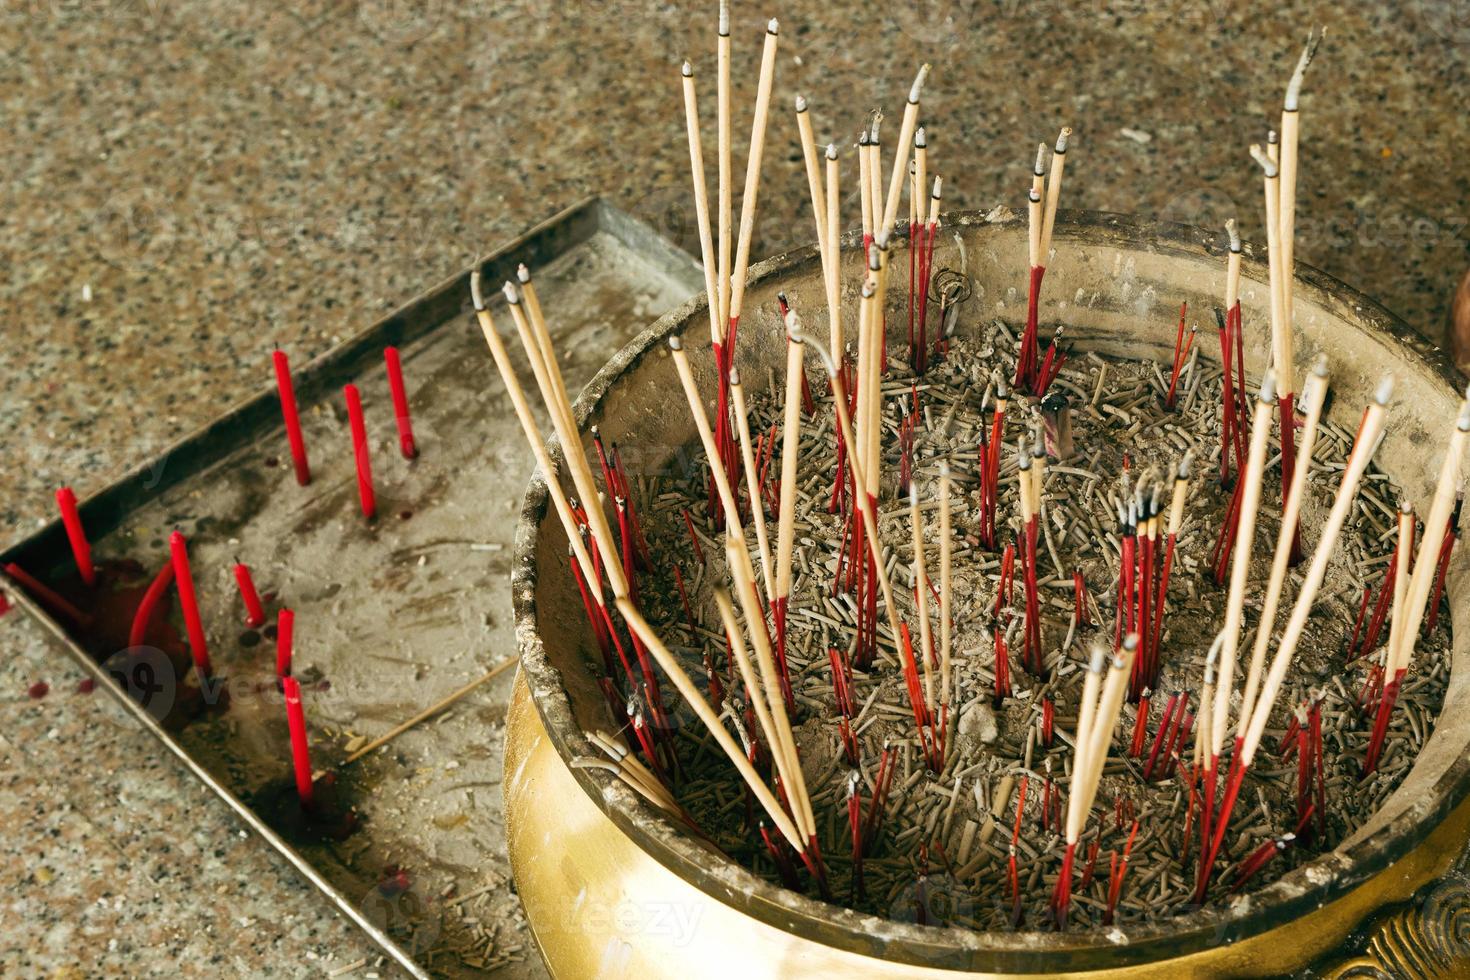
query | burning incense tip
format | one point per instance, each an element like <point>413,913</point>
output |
<point>1234,234</point>
<point>1385,390</point>
<point>920,139</point>
<point>523,274</point>
<point>512,295</point>
<point>1062,138</point>
<point>675,343</point>
<point>1294,87</point>
<point>1266,162</point>
<point>918,85</point>
<point>687,70</point>
<point>772,27</point>
<point>1040,170</point>
<point>477,297</point>
<point>831,151</point>
<point>801,103</point>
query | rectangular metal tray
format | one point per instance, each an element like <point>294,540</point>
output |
<point>390,615</point>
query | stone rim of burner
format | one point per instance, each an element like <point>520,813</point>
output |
<point>1436,785</point>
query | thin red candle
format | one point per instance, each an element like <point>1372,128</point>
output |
<point>285,627</point>
<point>300,752</point>
<point>184,582</point>
<point>254,611</point>
<point>80,549</point>
<point>292,417</point>
<point>400,403</point>
<point>360,451</point>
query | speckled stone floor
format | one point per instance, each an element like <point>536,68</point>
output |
<point>186,185</point>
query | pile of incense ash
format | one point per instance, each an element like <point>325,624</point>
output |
<point>938,849</point>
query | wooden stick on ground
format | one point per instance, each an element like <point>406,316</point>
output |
<point>434,709</point>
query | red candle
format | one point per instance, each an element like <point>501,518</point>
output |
<point>254,611</point>
<point>400,403</point>
<point>285,624</point>
<point>184,582</point>
<point>360,451</point>
<point>292,417</point>
<point>300,752</point>
<point>80,549</point>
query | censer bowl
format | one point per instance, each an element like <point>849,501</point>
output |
<point>612,889</point>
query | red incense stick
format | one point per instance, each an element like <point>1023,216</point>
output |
<point>292,417</point>
<point>45,595</point>
<point>285,630</point>
<point>254,611</point>
<point>143,618</point>
<point>188,601</point>
<point>400,403</point>
<point>360,451</point>
<point>300,752</point>
<point>80,549</point>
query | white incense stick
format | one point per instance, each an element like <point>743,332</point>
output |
<point>749,194</point>
<point>701,205</point>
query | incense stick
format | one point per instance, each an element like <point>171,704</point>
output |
<point>900,152</point>
<point>1235,607</point>
<point>701,207</point>
<point>1054,191</point>
<point>1363,449</point>
<point>753,169</point>
<point>444,703</point>
<point>1316,396</point>
<point>690,692</point>
<point>946,547</point>
<point>532,432</point>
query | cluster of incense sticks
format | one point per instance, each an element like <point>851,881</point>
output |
<point>807,624</point>
<point>177,572</point>
<point>1032,373</point>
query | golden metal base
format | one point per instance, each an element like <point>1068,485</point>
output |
<point>600,906</point>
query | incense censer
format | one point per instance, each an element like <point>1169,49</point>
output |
<point>612,889</point>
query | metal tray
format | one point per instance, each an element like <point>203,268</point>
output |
<point>390,615</point>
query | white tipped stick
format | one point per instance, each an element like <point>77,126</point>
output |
<point>751,191</point>
<point>1204,724</point>
<point>921,176</point>
<point>1086,712</point>
<point>900,152</point>
<point>832,260</point>
<point>1232,267</point>
<point>752,481</point>
<point>1435,523</point>
<point>859,479</point>
<point>532,433</point>
<point>1315,396</point>
<point>750,604</point>
<point>548,379</point>
<point>1100,738</point>
<point>726,189</point>
<point>1404,551</point>
<point>921,601</point>
<point>865,198</point>
<point>1033,227</point>
<point>701,207</point>
<point>946,548</point>
<point>790,452</point>
<point>1363,449</point>
<point>813,175</point>
<point>1241,561</point>
<point>707,440</point>
<point>758,692</point>
<point>1054,191</point>
<point>690,692</point>
<point>1281,348</point>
